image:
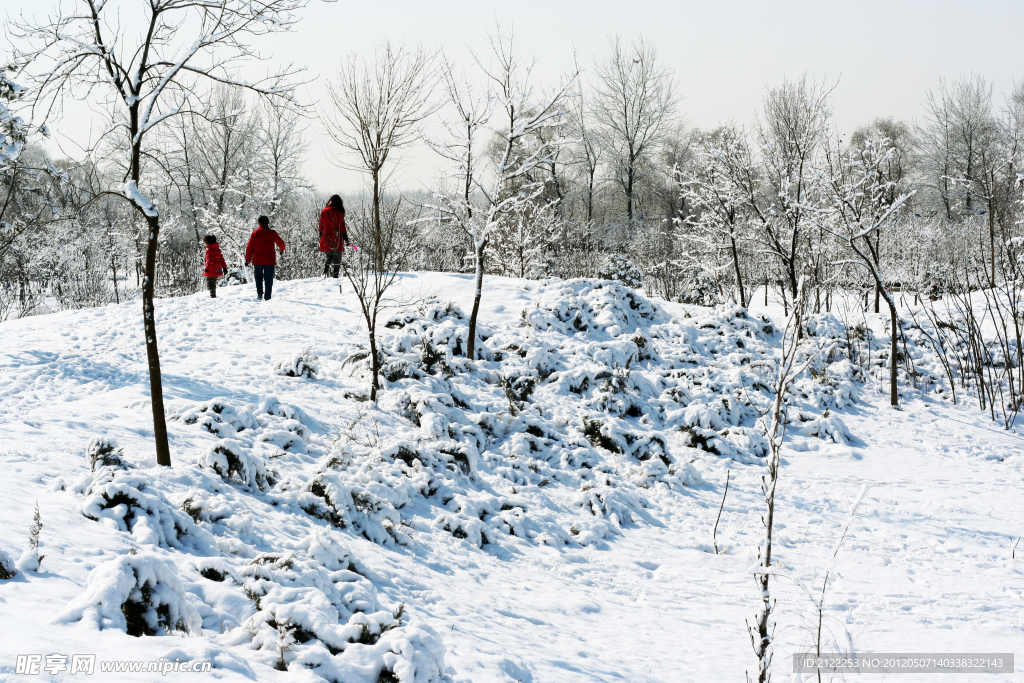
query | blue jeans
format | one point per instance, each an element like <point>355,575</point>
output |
<point>264,281</point>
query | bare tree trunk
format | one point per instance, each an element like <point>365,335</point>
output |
<point>471,342</point>
<point>629,192</point>
<point>590,195</point>
<point>374,362</point>
<point>775,431</point>
<point>992,241</point>
<point>113,266</point>
<point>736,265</point>
<point>894,399</point>
<point>156,391</point>
<point>376,220</point>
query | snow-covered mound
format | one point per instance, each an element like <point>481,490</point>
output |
<point>485,520</point>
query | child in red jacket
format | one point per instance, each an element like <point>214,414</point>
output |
<point>215,265</point>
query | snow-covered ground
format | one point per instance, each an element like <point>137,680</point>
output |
<point>488,497</point>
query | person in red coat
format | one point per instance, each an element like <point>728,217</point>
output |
<point>214,264</point>
<point>333,236</point>
<point>261,254</point>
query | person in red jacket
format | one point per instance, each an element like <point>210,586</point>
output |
<point>215,265</point>
<point>333,236</point>
<point>261,254</point>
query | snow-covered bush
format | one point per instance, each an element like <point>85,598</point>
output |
<point>699,289</point>
<point>305,364</point>
<point>104,452</point>
<point>231,460</point>
<point>371,510</point>
<point>128,501</point>
<point>218,417</point>
<point>139,594</point>
<point>618,267</point>
<point>828,426</point>
<point>338,627</point>
<point>7,569</point>
<point>30,558</point>
<point>601,310</point>
<point>517,390</point>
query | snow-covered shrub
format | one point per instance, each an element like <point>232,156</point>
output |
<point>30,558</point>
<point>517,390</point>
<point>436,311</point>
<point>599,435</point>
<point>337,625</point>
<point>104,452</point>
<point>7,569</point>
<point>129,502</point>
<point>139,594</point>
<point>699,289</point>
<point>602,500</point>
<point>218,417</point>
<point>231,460</point>
<point>600,310</point>
<point>203,506</point>
<point>434,359</point>
<point>368,508</point>
<point>828,426</point>
<point>618,267</point>
<point>216,569</point>
<point>305,364</point>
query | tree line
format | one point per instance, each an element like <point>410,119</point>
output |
<point>610,168</point>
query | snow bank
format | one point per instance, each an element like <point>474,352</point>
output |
<point>583,418</point>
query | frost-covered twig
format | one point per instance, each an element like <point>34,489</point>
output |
<point>714,532</point>
<point>775,430</point>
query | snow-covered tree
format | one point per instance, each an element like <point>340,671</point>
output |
<point>718,186</point>
<point>858,202</point>
<point>150,69</point>
<point>791,136</point>
<point>520,113</point>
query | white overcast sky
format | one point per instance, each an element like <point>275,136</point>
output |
<point>884,54</point>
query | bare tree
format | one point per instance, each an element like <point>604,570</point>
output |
<point>961,155</point>
<point>282,147</point>
<point>464,117</point>
<point>149,77</point>
<point>585,151</point>
<point>502,188</point>
<point>376,108</point>
<point>895,171</point>
<point>859,203</point>
<point>792,135</point>
<point>225,142</point>
<point>372,276</point>
<point>634,101</point>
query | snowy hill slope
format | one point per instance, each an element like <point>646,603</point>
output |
<point>542,514</point>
